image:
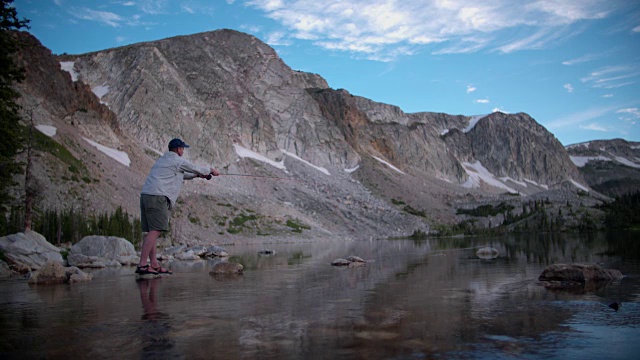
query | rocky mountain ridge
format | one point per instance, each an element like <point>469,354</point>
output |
<point>353,167</point>
<point>611,167</point>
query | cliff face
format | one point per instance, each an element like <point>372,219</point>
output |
<point>240,107</point>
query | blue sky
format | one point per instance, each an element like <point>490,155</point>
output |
<point>573,65</point>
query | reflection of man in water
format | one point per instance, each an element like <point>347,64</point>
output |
<point>148,293</point>
<point>156,324</point>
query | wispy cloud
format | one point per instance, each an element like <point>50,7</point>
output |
<point>582,59</point>
<point>607,95</point>
<point>187,8</point>
<point>579,117</point>
<point>278,38</point>
<point>594,127</point>
<point>569,87</point>
<point>154,7</point>
<point>470,89</point>
<point>481,101</point>
<point>108,18</point>
<point>378,27</point>
<point>611,77</point>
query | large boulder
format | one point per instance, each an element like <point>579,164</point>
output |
<point>28,251</point>
<point>109,250</point>
<point>577,276</point>
<point>85,261</point>
<point>54,273</point>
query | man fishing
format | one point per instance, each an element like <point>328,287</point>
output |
<point>159,194</point>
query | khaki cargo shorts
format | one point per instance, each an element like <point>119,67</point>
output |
<point>154,212</point>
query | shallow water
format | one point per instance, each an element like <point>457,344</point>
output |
<point>416,299</point>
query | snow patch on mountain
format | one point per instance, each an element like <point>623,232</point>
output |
<point>478,173</point>
<point>48,130</point>
<point>100,91</point>
<point>389,165</point>
<point>581,161</point>
<point>294,156</point>
<point>352,169</point>
<point>68,67</point>
<point>578,185</point>
<point>119,156</point>
<point>246,153</point>
<point>472,123</point>
<point>627,162</point>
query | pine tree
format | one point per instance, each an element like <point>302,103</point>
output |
<point>10,73</point>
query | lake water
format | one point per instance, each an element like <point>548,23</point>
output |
<point>416,299</point>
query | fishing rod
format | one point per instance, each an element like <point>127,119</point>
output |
<point>208,177</point>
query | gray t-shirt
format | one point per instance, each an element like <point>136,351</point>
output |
<point>167,175</point>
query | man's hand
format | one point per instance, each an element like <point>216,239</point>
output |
<point>214,172</point>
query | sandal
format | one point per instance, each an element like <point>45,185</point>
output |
<point>146,270</point>
<point>161,270</point>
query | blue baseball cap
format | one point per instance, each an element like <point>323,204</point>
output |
<point>177,143</point>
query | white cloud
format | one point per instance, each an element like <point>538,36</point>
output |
<point>461,26</point>
<point>607,95</point>
<point>636,29</point>
<point>629,115</point>
<point>569,87</point>
<point>595,127</point>
<point>481,101</point>
<point>109,18</point>
<point>470,88</point>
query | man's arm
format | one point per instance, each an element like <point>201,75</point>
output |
<point>192,171</point>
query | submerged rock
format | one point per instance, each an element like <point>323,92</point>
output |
<point>227,268</point>
<point>487,253</point>
<point>355,259</point>
<point>350,261</point>
<point>340,262</point>
<point>54,273</point>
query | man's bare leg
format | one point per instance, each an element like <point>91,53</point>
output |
<point>149,248</point>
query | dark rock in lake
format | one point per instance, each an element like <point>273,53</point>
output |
<point>340,262</point>
<point>227,268</point>
<point>54,273</point>
<point>577,277</point>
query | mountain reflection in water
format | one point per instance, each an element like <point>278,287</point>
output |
<point>416,299</point>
